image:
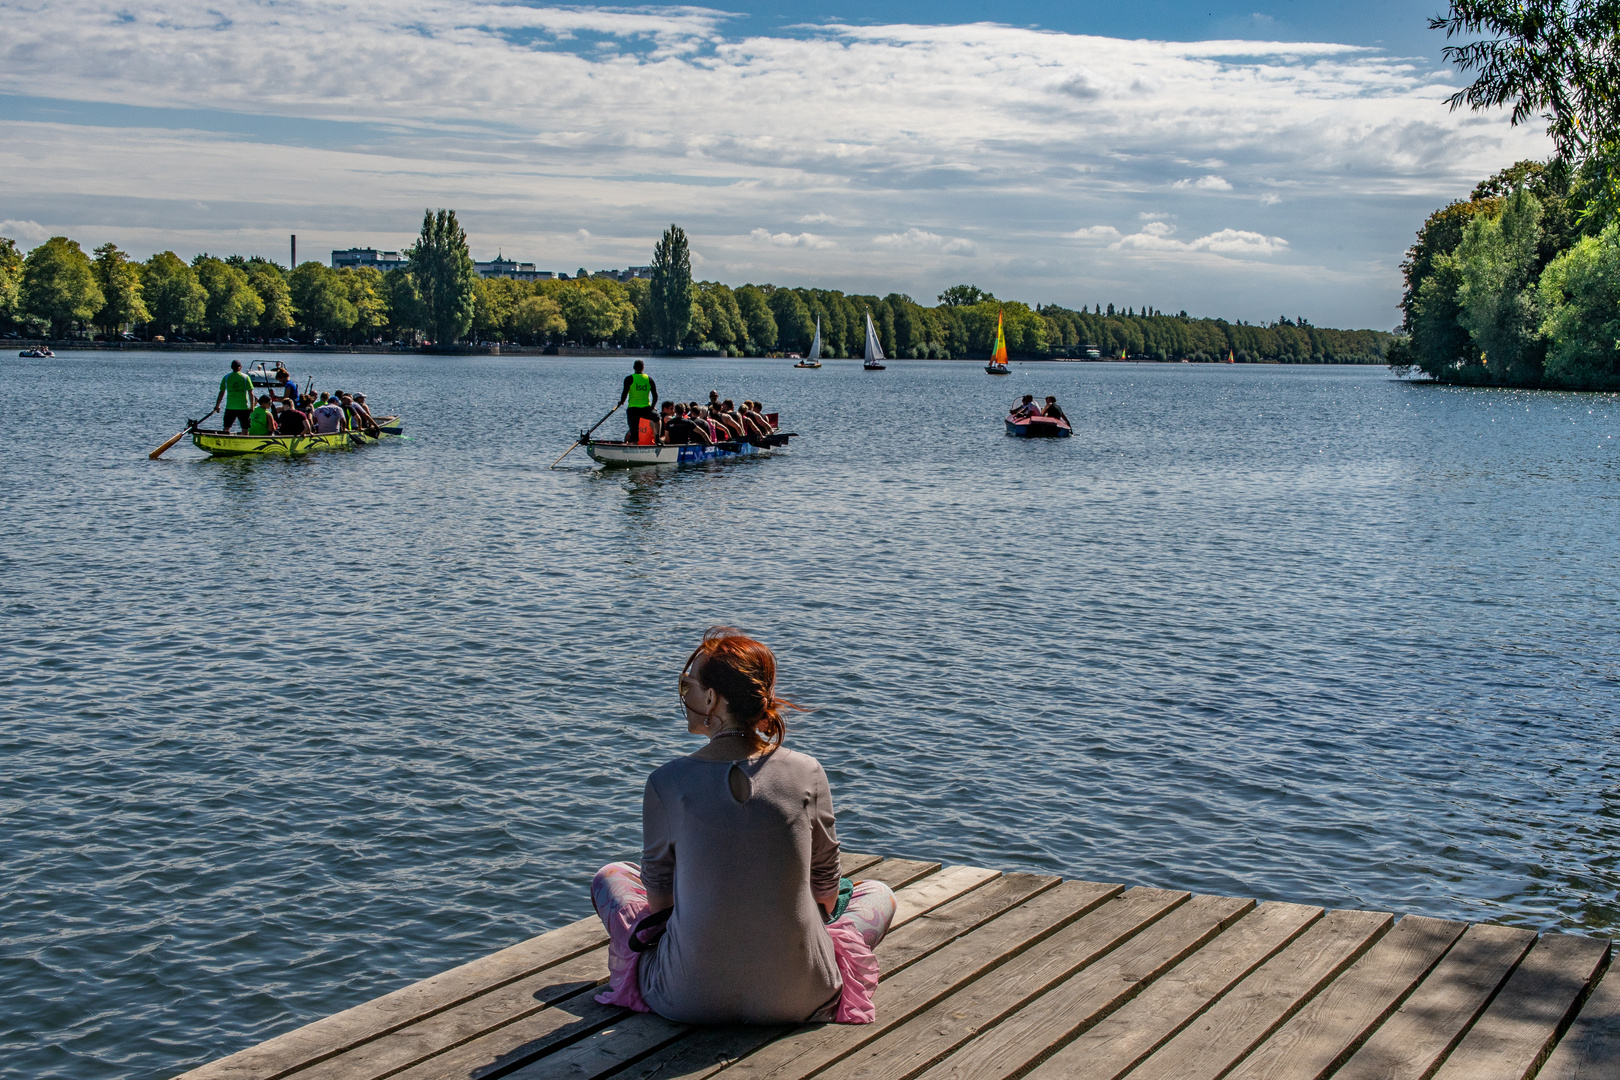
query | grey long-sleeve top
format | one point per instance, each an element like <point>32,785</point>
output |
<point>746,942</point>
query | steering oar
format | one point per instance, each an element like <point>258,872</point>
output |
<point>577,441</point>
<point>154,455</point>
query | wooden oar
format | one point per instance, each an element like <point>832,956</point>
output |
<point>583,437</point>
<point>154,455</point>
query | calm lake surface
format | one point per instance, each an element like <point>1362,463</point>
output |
<point>279,736</point>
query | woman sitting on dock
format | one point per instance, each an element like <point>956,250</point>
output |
<point>740,869</point>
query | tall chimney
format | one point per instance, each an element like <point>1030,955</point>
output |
<point>294,264</point>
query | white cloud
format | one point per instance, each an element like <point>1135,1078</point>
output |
<point>28,234</point>
<point>1158,236</point>
<point>1093,232</point>
<point>1270,198</point>
<point>915,239</point>
<point>792,240</point>
<point>511,114</point>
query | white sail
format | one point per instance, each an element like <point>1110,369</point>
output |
<point>874,351</point>
<point>815,344</point>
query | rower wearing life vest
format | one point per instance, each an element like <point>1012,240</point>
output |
<point>642,394</point>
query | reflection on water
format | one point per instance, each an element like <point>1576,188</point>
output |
<point>280,735</point>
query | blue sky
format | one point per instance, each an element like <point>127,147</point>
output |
<point>1245,161</point>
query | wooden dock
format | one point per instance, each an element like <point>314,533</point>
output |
<point>989,975</point>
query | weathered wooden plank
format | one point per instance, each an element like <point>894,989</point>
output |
<point>898,873</point>
<point>1591,1047</point>
<point>588,1038</point>
<point>334,1034</point>
<point>1117,1043</point>
<point>934,929</point>
<point>399,1050</point>
<point>1255,1007</point>
<point>1428,1024</point>
<point>1044,1024</point>
<point>851,863</point>
<point>1325,1031</point>
<point>808,1050</point>
<point>926,1038</point>
<point>500,1050</point>
<point>930,892</point>
<point>1515,1033</point>
<point>708,1050</point>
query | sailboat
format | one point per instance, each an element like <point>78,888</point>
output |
<point>998,359</point>
<point>1229,357</point>
<point>874,351</point>
<point>814,359</point>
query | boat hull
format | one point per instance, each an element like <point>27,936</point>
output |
<point>631,454</point>
<point>221,445</point>
<point>997,369</point>
<point>1038,427</point>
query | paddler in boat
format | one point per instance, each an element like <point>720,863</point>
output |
<point>642,394</point>
<point>288,388</point>
<point>329,418</point>
<point>292,421</point>
<point>236,391</point>
<point>262,421</point>
<point>364,410</point>
<point>356,418</point>
<point>1027,408</point>
<point>1053,409</point>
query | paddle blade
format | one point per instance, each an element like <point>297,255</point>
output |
<point>154,455</point>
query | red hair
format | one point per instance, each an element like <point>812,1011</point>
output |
<point>743,671</point>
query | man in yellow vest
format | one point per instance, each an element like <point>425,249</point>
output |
<point>642,394</point>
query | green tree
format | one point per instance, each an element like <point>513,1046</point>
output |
<point>443,273</point>
<point>120,282</point>
<point>11,264</point>
<point>1580,299</point>
<point>963,296</point>
<point>1498,263</point>
<point>539,318</point>
<point>591,314</point>
<point>172,293</point>
<point>669,299</point>
<point>270,283</point>
<point>758,320</point>
<point>321,299</point>
<point>59,286</point>
<point>233,304</point>
<point>795,326</point>
<point>404,303</point>
<point>366,291</point>
<point>717,322</point>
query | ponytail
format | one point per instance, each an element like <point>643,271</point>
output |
<point>743,671</point>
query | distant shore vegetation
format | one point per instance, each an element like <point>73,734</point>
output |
<point>59,290</point>
<point>1519,284</point>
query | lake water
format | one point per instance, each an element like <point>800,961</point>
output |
<point>279,736</point>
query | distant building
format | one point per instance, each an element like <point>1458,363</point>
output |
<point>624,275</point>
<point>501,266</point>
<point>381,260</point>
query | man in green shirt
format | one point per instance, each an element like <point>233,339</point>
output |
<point>236,391</point>
<point>642,394</point>
<point>260,422</point>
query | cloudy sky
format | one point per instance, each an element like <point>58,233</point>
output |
<point>1210,156</point>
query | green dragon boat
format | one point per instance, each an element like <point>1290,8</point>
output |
<point>235,444</point>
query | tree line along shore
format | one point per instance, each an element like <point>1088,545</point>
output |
<point>439,300</point>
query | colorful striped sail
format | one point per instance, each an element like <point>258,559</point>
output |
<point>1000,355</point>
